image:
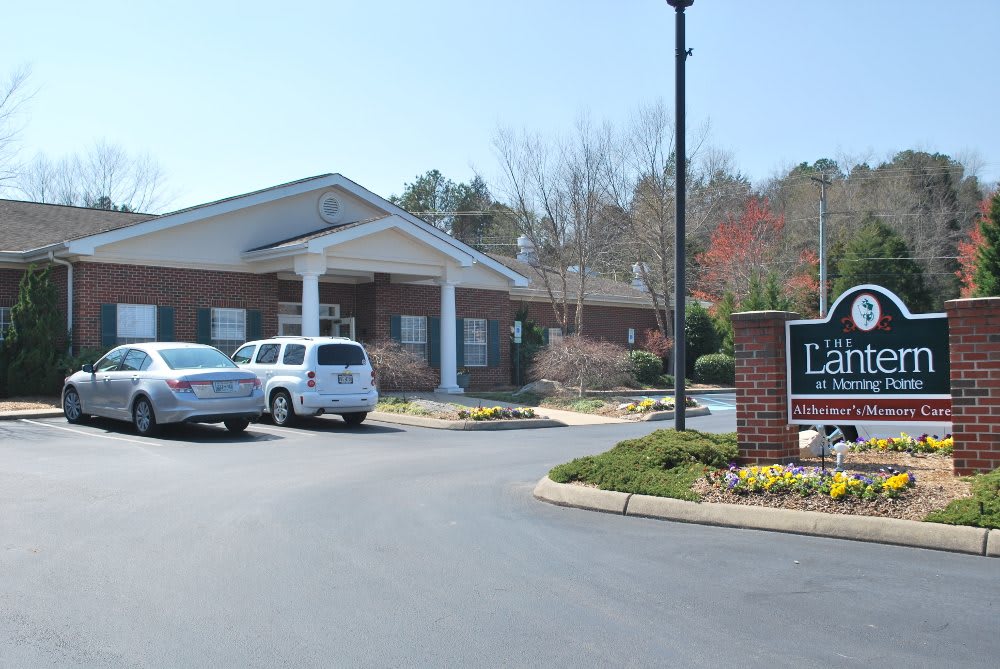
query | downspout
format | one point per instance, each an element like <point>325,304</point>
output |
<point>69,296</point>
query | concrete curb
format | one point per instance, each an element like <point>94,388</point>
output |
<point>691,412</point>
<point>31,413</point>
<point>934,536</point>
<point>420,421</point>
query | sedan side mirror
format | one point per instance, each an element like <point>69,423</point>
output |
<point>88,368</point>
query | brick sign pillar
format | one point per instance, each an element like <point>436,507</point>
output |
<point>762,428</point>
<point>974,339</point>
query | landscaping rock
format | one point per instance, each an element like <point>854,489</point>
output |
<point>811,443</point>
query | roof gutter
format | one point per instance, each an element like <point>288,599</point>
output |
<point>69,295</point>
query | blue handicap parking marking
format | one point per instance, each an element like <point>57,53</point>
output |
<point>720,403</point>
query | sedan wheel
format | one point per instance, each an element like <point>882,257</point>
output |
<point>143,417</point>
<point>236,425</point>
<point>282,412</point>
<point>72,407</point>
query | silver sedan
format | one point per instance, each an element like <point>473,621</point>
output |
<point>164,382</point>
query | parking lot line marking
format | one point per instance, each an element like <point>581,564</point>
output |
<point>289,430</point>
<point>88,434</point>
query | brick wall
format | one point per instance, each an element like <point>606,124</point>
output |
<point>762,428</point>
<point>187,290</point>
<point>974,338</point>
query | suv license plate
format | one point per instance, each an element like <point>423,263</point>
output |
<point>345,378</point>
<point>224,386</point>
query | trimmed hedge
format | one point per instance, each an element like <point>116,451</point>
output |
<point>717,368</point>
<point>646,366</point>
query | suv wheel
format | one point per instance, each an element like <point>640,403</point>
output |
<point>355,418</point>
<point>282,412</point>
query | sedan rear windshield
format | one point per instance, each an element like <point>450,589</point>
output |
<point>196,358</point>
<point>340,354</point>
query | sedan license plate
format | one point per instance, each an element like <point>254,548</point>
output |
<point>224,386</point>
<point>345,378</point>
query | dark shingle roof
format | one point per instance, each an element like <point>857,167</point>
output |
<point>30,225</point>
<point>596,285</point>
<point>322,232</point>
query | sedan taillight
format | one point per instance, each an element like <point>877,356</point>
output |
<point>180,386</point>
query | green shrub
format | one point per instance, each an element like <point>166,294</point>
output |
<point>646,366</point>
<point>716,368</point>
<point>700,335</point>
<point>664,463</point>
<point>980,510</point>
<point>665,381</point>
<point>72,363</point>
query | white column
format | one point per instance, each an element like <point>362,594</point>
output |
<point>310,266</point>
<point>310,304</point>
<point>449,382</point>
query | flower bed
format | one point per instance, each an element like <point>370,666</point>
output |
<point>496,413</point>
<point>806,481</point>
<point>904,443</point>
<point>649,404</point>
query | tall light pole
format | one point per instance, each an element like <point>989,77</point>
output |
<point>680,301</point>
<point>823,183</point>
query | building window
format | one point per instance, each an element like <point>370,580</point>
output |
<point>413,335</point>
<point>555,336</point>
<point>136,323</point>
<point>4,321</point>
<point>229,329</point>
<point>475,342</point>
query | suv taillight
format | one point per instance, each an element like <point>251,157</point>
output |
<point>373,378</point>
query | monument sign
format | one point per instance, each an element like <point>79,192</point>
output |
<point>869,361</point>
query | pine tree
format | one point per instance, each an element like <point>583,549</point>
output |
<point>987,273</point>
<point>878,255</point>
<point>31,350</point>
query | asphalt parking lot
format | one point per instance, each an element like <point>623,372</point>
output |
<point>379,545</point>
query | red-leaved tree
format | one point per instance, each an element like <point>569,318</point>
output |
<point>741,248</point>
<point>967,252</point>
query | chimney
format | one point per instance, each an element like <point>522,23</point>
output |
<point>637,281</point>
<point>526,250</point>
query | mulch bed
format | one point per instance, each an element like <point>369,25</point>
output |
<point>936,487</point>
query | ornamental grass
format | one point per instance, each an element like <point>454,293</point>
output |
<point>925,443</point>
<point>806,481</point>
<point>496,413</point>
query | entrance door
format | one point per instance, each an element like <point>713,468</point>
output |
<point>290,325</point>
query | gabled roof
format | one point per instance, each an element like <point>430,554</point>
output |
<point>32,225</point>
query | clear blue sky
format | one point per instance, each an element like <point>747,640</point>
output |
<point>234,96</point>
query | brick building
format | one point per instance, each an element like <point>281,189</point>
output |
<point>320,256</point>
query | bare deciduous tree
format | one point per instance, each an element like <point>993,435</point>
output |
<point>105,177</point>
<point>556,194</point>
<point>13,96</point>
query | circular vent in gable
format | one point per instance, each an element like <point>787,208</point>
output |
<point>330,208</point>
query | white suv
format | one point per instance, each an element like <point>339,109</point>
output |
<point>309,376</point>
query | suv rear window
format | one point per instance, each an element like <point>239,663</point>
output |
<point>340,354</point>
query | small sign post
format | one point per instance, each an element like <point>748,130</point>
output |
<point>517,351</point>
<point>631,338</point>
<point>869,361</point>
